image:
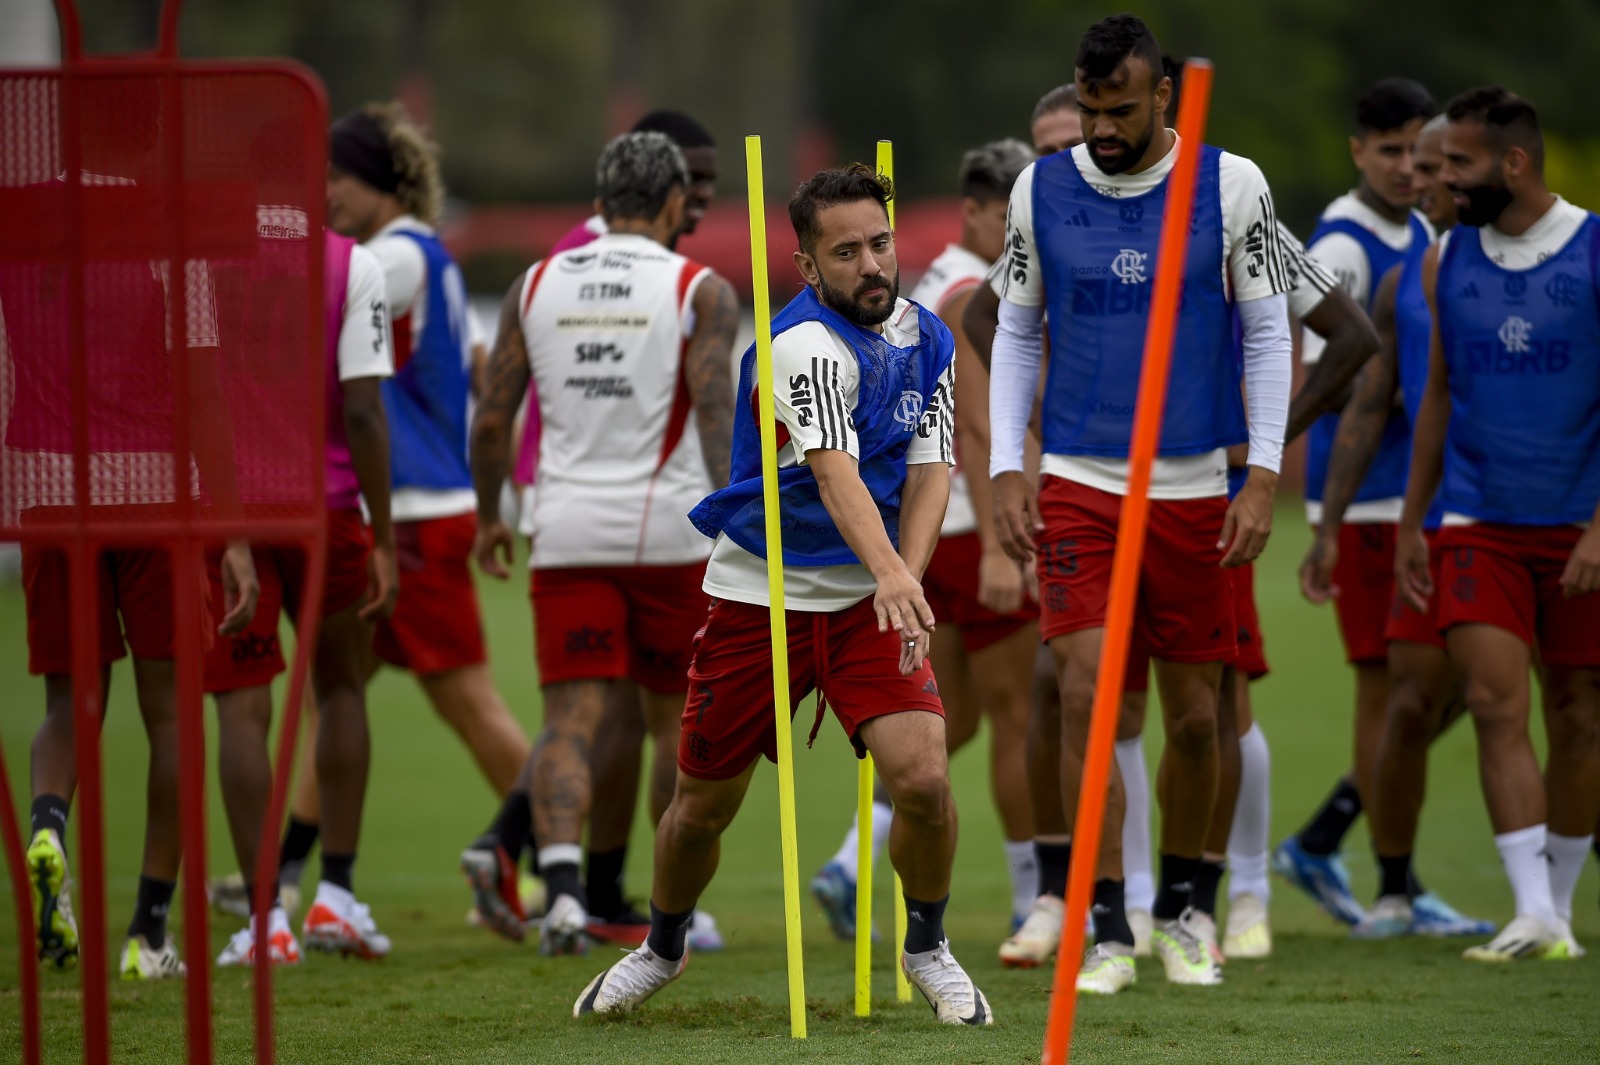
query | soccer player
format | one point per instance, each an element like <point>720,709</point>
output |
<point>127,304</point>
<point>1095,279</point>
<point>1508,435</point>
<point>615,758</point>
<point>1359,238</point>
<point>983,654</point>
<point>1423,687</point>
<point>625,341</point>
<point>360,585</point>
<point>863,385</point>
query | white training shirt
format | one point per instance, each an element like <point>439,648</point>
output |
<point>817,417</point>
<point>366,344</point>
<point>607,326</point>
<point>1257,279</point>
<point>1309,281</point>
<point>405,272</point>
<point>956,270</point>
<point>1342,255</point>
<point>1552,232</point>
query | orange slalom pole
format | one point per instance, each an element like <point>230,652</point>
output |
<point>1131,527</point>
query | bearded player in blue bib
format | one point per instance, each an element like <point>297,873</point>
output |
<point>863,383</point>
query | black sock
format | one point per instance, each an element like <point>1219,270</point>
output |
<point>339,870</point>
<point>1207,879</point>
<point>1111,914</point>
<point>1394,876</point>
<point>603,881</point>
<point>532,847</point>
<point>513,823</point>
<point>150,910</point>
<point>298,839</point>
<point>669,933</point>
<point>1325,831</point>
<point>1413,885</point>
<point>924,924</point>
<point>1054,861</point>
<point>1177,886</point>
<point>561,878</point>
<point>49,811</point>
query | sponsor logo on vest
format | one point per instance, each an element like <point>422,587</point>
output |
<point>603,321</point>
<point>379,321</point>
<point>1080,217</point>
<point>594,351</point>
<point>800,398</point>
<point>586,639</point>
<point>1130,213</point>
<point>578,262</point>
<point>1516,286</point>
<point>1017,259</point>
<point>1563,290</point>
<point>601,387</point>
<point>909,411</point>
<point>605,290</point>
<point>1129,266</point>
<point>1255,245</point>
<point>1514,331</point>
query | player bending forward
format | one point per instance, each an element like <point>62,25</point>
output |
<point>863,393</point>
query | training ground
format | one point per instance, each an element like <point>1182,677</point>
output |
<point>452,993</point>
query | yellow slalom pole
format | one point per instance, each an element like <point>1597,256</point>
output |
<point>864,887</point>
<point>780,635</point>
<point>902,986</point>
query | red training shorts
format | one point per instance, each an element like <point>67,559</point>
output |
<point>1364,576</point>
<point>436,624</point>
<point>951,588</point>
<point>1510,576</point>
<point>1185,608</point>
<point>729,718</point>
<point>254,656</point>
<point>1410,626</point>
<point>605,622</point>
<point>133,595</point>
<point>1252,657</point>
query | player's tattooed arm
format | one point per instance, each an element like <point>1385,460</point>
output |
<point>507,382</point>
<point>1361,428</point>
<point>1413,582</point>
<point>708,371</point>
<point>1351,340</point>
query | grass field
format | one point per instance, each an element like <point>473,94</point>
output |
<point>450,993</point>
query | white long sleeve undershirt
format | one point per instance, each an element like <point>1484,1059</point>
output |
<point>1018,353</point>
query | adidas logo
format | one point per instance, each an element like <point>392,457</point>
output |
<point>1470,292</point>
<point>931,688</point>
<point>1080,217</point>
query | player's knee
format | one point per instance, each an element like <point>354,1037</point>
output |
<point>1192,731</point>
<point>697,815</point>
<point>1411,711</point>
<point>923,795</point>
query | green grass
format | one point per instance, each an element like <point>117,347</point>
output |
<point>451,993</point>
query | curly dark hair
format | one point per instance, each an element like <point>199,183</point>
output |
<point>829,188</point>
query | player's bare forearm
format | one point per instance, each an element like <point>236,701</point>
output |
<point>506,384</point>
<point>1433,417</point>
<point>708,371</point>
<point>979,319</point>
<point>922,505</point>
<point>1361,428</point>
<point>849,503</point>
<point>1351,341</point>
<point>213,432</point>
<point>367,432</point>
<point>480,370</point>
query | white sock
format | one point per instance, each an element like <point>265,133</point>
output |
<point>1249,835</point>
<point>1139,884</point>
<point>1567,855</point>
<point>1024,875</point>
<point>882,818</point>
<point>1522,853</point>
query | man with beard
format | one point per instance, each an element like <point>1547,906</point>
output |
<point>1508,435</point>
<point>1095,280</point>
<point>863,383</point>
<point>616,758</point>
<point>1360,237</point>
<point>630,346</point>
<point>1422,686</point>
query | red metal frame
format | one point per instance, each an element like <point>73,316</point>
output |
<point>184,533</point>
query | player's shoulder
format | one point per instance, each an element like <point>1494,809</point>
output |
<point>1238,170</point>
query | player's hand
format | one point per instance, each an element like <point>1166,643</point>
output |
<point>1582,574</point>
<point>383,583</point>
<point>1000,581</point>
<point>240,588</point>
<point>1413,581</point>
<point>1248,523</point>
<point>1316,572</point>
<point>1016,515</point>
<point>494,549</point>
<point>901,606</point>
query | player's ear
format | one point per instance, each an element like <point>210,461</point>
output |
<point>1355,150</point>
<point>807,267</point>
<point>1164,101</point>
<point>671,217</point>
<point>1514,163</point>
<point>596,206</point>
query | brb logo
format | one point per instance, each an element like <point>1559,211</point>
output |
<point>909,412</point>
<point>1129,266</point>
<point>1514,334</point>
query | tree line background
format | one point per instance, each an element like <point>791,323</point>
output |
<point>521,93</point>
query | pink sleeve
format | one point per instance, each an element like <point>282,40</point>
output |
<point>576,237</point>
